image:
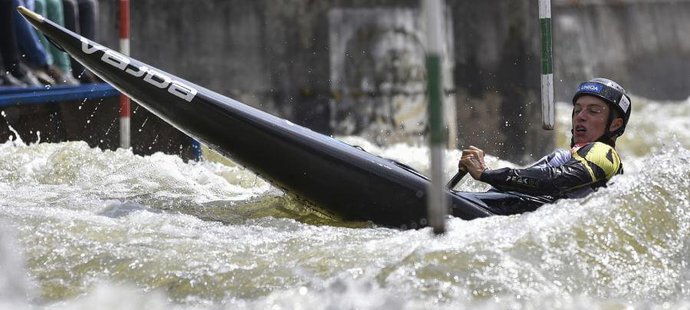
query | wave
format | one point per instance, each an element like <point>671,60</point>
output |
<point>91,227</point>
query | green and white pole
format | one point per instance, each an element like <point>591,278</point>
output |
<point>547,103</point>
<point>437,202</point>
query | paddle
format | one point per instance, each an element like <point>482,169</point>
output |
<point>456,179</point>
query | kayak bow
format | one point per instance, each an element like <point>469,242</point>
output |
<point>322,171</point>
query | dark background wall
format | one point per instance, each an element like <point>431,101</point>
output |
<point>645,45</point>
<point>276,56</point>
<point>95,121</point>
<point>280,56</point>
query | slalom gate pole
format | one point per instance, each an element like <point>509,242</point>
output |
<point>437,204</point>
<point>125,132</point>
<point>547,101</point>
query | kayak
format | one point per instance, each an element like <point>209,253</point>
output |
<point>323,172</point>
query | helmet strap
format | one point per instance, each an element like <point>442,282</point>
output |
<point>608,135</point>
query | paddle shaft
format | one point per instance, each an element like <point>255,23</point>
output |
<point>456,179</point>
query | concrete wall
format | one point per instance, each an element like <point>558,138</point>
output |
<point>645,45</point>
<point>279,56</point>
<point>497,76</point>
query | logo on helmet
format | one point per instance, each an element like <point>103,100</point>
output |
<point>591,87</point>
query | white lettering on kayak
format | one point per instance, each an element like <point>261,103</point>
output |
<point>114,59</point>
<point>155,78</point>
<point>151,76</point>
<point>140,73</point>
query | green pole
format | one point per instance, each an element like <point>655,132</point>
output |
<point>547,102</point>
<point>437,203</point>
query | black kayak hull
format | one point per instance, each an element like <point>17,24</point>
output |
<point>324,172</point>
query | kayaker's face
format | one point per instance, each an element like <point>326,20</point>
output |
<point>590,115</point>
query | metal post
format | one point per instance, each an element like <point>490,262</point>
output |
<point>437,205</point>
<point>547,102</point>
<point>125,132</point>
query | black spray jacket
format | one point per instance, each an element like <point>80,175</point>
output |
<point>570,173</point>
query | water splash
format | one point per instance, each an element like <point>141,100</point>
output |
<point>110,229</point>
<point>14,286</point>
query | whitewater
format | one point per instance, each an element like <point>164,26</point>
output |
<point>84,228</point>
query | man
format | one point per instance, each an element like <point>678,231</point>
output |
<point>601,109</point>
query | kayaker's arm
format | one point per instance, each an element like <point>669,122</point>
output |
<point>592,165</point>
<point>539,181</point>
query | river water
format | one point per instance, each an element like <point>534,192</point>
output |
<point>82,228</point>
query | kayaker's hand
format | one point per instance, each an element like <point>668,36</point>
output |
<point>472,161</point>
